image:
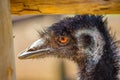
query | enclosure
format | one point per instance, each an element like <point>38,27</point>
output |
<point>19,22</point>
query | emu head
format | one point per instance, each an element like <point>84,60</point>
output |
<point>79,38</point>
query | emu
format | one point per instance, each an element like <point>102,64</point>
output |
<point>84,39</point>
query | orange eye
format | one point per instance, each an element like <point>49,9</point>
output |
<point>63,40</point>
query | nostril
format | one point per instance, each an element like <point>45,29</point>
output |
<point>32,49</point>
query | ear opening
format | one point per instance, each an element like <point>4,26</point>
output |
<point>86,40</point>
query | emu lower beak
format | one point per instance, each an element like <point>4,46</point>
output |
<point>36,50</point>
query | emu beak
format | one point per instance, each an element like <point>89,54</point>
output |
<point>35,50</point>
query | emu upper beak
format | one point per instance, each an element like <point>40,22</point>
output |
<point>36,50</point>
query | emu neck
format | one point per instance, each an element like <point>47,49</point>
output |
<point>105,69</point>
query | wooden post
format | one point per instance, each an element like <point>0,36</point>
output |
<point>21,7</point>
<point>7,68</point>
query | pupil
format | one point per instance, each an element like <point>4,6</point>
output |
<point>62,38</point>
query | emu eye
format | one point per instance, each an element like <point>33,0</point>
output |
<point>62,40</point>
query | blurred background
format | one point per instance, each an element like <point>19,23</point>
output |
<point>24,32</point>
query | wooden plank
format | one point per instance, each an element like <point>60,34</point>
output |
<point>7,68</point>
<point>65,7</point>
